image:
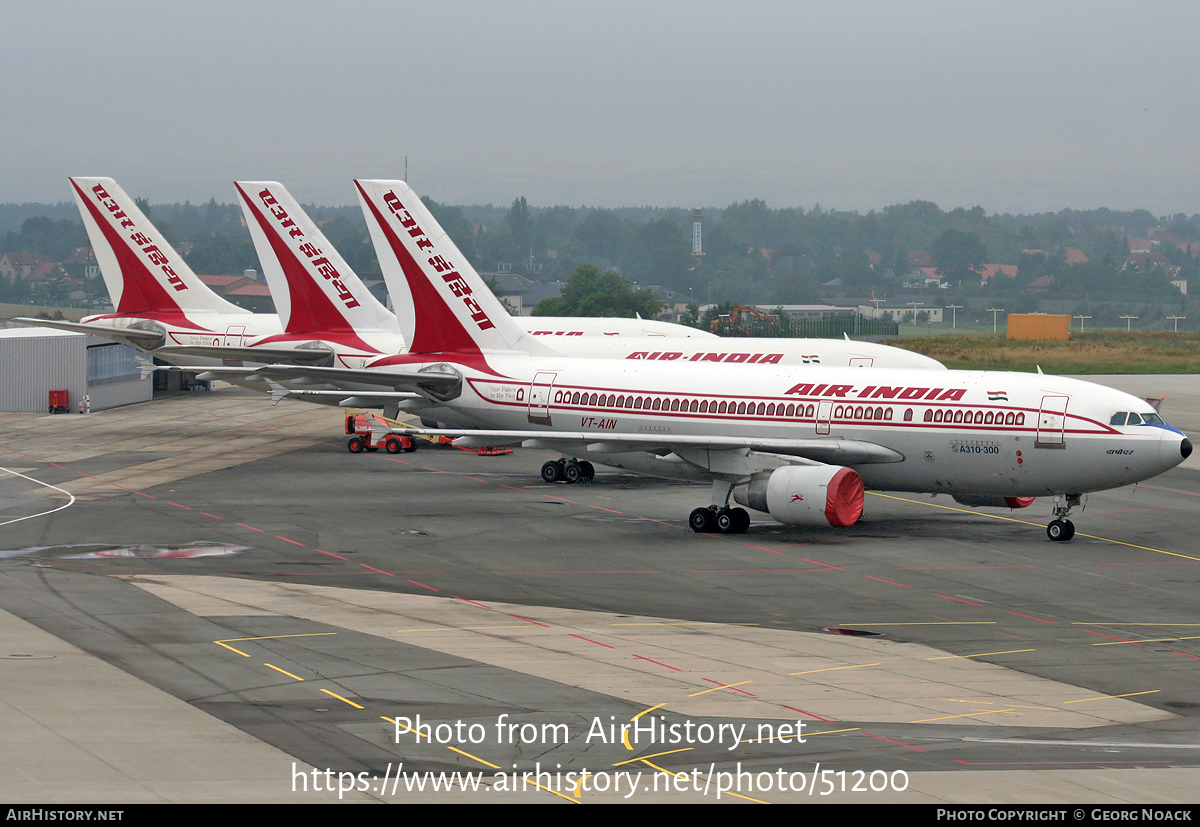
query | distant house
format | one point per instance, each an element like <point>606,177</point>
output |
<point>1073,255</point>
<point>1180,284</point>
<point>20,265</point>
<point>918,258</point>
<point>990,270</point>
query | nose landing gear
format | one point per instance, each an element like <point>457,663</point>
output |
<point>1061,529</point>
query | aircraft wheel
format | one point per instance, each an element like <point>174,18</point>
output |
<point>355,445</point>
<point>1060,530</point>
<point>701,521</point>
<point>572,473</point>
<point>589,471</point>
<point>412,445</point>
<point>551,472</point>
<point>393,446</point>
<point>726,522</point>
<point>741,520</point>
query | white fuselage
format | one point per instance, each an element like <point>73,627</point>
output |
<point>1007,434</point>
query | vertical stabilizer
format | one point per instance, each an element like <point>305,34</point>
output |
<point>313,287</point>
<point>145,276</point>
<point>453,311</point>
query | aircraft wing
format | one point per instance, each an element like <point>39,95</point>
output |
<point>442,385</point>
<point>828,451</point>
<point>264,354</point>
<point>148,339</point>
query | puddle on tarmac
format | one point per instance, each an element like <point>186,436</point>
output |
<point>101,551</point>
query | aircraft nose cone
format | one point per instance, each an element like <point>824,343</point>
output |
<point>1185,447</point>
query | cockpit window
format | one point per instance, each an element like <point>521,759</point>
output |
<point>1152,419</point>
<point>1134,419</point>
<point>1118,418</point>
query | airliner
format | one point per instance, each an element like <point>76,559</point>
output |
<point>800,443</point>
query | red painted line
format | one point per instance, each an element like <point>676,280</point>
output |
<point>734,688</point>
<point>890,741</point>
<point>381,571</point>
<point>819,563</point>
<point>117,484</point>
<point>750,571</point>
<point>465,600</point>
<point>534,622</point>
<point>763,548</point>
<point>665,666</point>
<point>893,582</point>
<point>252,528</point>
<point>599,508</point>
<point>961,568</point>
<point>402,462</point>
<point>206,514</point>
<point>331,554</point>
<point>177,505</point>
<point>1195,657</point>
<point>1031,617</point>
<point>958,600</point>
<point>140,494</point>
<point>439,470</point>
<point>564,499</point>
<point>586,572</point>
<point>80,473</point>
<point>477,479</point>
<point>293,542</point>
<point>1046,763</point>
<point>1110,637</point>
<point>660,522</point>
<point>511,488</point>
<point>56,465</point>
<point>31,456</point>
<point>598,643</point>
<point>809,714</point>
<point>423,586</point>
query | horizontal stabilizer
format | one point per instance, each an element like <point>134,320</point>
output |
<point>148,339</point>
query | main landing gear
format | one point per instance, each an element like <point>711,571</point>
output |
<point>568,471</point>
<point>1061,529</point>
<point>720,518</point>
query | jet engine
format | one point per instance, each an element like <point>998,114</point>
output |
<point>993,501</point>
<point>805,494</point>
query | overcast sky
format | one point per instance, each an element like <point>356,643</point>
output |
<point>1015,106</point>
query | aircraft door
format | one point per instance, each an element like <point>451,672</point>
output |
<point>1052,420</point>
<point>539,398</point>
<point>824,414</point>
<point>233,335</point>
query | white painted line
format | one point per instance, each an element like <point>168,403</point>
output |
<point>47,485</point>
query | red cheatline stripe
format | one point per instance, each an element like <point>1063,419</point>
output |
<point>958,599</point>
<point>809,714</point>
<point>423,586</point>
<point>665,666</point>
<point>293,542</point>
<point>331,554</point>
<point>890,741</point>
<point>763,548</point>
<point>1031,617</point>
<point>381,571</point>
<point>252,528</point>
<point>598,643</point>
<point>893,582</point>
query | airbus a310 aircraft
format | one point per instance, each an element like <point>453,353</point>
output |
<point>799,443</point>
